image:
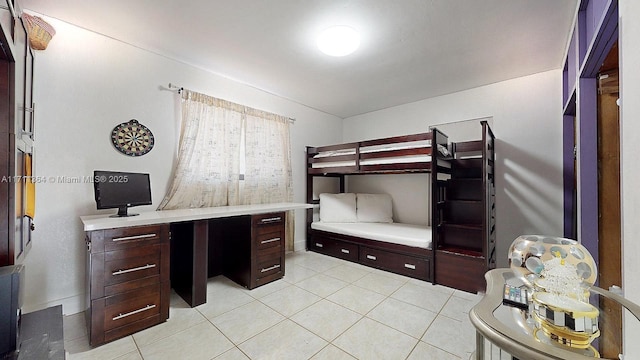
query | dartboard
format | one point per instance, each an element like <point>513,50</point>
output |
<point>132,138</point>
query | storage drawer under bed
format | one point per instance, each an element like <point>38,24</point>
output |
<point>334,247</point>
<point>412,266</point>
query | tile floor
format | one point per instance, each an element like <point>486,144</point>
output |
<point>324,308</point>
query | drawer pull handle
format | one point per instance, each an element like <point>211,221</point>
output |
<point>410,266</point>
<point>270,268</point>
<point>144,267</point>
<point>121,315</point>
<point>269,241</point>
<point>135,237</point>
<point>270,220</point>
<point>371,257</point>
<point>319,245</point>
<point>345,251</point>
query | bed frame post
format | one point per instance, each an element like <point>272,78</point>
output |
<point>438,193</point>
<point>309,197</point>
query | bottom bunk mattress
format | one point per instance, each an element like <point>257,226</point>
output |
<point>397,233</point>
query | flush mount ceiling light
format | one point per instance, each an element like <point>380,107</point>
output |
<point>338,41</point>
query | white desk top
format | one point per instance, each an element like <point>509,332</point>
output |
<point>101,222</point>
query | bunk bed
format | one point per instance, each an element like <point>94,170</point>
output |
<point>409,249</point>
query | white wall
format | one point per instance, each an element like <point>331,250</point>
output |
<point>527,123</point>
<point>629,170</point>
<point>85,85</point>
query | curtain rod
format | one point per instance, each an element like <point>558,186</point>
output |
<point>176,88</point>
<point>179,89</point>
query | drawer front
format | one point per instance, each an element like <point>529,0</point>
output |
<point>266,223</point>
<point>334,247</point>
<point>269,240</point>
<point>125,238</point>
<point>268,266</point>
<point>460,271</point>
<point>128,265</point>
<point>401,264</point>
<point>124,309</point>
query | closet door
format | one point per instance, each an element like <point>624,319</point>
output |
<point>6,169</point>
<point>6,138</point>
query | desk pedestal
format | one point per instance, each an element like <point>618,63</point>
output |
<point>247,249</point>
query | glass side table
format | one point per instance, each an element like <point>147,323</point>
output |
<point>506,333</point>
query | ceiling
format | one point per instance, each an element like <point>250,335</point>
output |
<point>410,49</point>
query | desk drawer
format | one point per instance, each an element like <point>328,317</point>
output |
<point>123,309</point>
<point>126,238</point>
<point>268,269</point>
<point>268,266</point>
<point>265,223</point>
<point>269,240</point>
<point>127,265</point>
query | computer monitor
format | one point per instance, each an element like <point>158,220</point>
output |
<point>121,190</point>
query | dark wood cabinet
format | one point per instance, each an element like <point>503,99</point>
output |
<point>252,248</point>
<point>16,133</point>
<point>127,280</point>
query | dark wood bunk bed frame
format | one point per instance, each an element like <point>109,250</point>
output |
<point>462,236</point>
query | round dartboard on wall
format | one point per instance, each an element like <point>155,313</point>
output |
<point>132,138</point>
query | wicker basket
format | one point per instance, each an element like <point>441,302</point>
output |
<point>40,32</point>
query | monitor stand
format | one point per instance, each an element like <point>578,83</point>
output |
<point>122,212</point>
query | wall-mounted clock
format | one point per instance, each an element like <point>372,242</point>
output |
<point>132,138</point>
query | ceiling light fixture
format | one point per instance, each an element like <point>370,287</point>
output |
<point>338,41</point>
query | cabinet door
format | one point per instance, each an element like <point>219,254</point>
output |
<point>29,115</point>
<point>20,47</point>
<point>6,18</point>
<point>20,241</point>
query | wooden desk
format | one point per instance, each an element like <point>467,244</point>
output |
<point>130,260</point>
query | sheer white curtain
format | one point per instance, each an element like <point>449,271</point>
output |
<point>218,136</point>
<point>208,169</point>
<point>267,175</point>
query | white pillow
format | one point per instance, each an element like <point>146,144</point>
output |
<point>338,207</point>
<point>374,208</point>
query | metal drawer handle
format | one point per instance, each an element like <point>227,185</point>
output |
<point>144,267</point>
<point>410,266</point>
<point>371,257</point>
<point>269,241</point>
<point>345,251</point>
<point>269,220</point>
<point>319,245</point>
<point>121,315</point>
<point>135,237</point>
<point>270,268</point>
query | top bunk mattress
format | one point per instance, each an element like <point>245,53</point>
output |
<point>394,159</point>
<point>397,233</point>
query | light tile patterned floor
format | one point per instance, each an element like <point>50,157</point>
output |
<point>324,308</point>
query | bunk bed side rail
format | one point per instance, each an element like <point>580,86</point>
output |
<point>469,146</point>
<point>396,167</point>
<point>311,150</point>
<point>397,139</point>
<point>334,158</point>
<point>396,153</point>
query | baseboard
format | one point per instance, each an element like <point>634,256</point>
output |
<point>70,305</point>
<point>300,245</point>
